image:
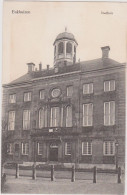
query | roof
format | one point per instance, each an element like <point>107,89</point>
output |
<point>65,35</point>
<point>84,66</point>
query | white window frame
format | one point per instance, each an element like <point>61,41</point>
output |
<point>24,146</point>
<point>10,146</point>
<point>87,116</point>
<point>87,85</point>
<point>66,149</point>
<point>109,115</point>
<point>68,95</point>
<point>27,96</point>
<point>12,98</point>
<point>109,148</point>
<point>109,85</point>
<point>11,121</point>
<point>26,120</point>
<point>87,149</point>
<point>38,148</point>
<point>42,94</point>
<point>68,122</point>
<point>44,118</point>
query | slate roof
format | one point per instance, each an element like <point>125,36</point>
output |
<point>84,66</point>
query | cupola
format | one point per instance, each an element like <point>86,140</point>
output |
<point>65,49</point>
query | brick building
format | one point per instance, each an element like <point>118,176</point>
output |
<point>71,113</point>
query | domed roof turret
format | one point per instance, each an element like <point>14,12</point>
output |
<point>65,35</point>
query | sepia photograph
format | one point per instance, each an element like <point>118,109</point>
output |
<point>63,97</point>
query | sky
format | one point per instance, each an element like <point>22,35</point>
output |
<point>29,37</point>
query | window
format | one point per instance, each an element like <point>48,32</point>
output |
<point>60,48</point>
<point>42,94</point>
<point>55,117</point>
<point>27,96</point>
<point>26,119</point>
<point>69,91</point>
<point>109,148</point>
<point>12,98</point>
<point>69,116</point>
<point>87,148</point>
<point>11,120</point>
<point>109,85</point>
<point>67,148</point>
<point>88,88</point>
<point>69,47</point>
<point>88,114</point>
<point>9,148</point>
<point>25,148</point>
<point>39,148</point>
<point>109,113</point>
<point>42,118</point>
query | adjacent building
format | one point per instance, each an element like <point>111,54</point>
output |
<point>71,113</point>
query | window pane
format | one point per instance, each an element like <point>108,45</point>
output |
<point>69,91</point>
<point>106,86</point>
<point>40,148</point>
<point>60,47</point>
<point>41,118</point>
<point>69,47</point>
<point>91,88</point>
<point>55,117</point>
<point>112,85</point>
<point>27,96</point>
<point>26,119</point>
<point>11,120</point>
<point>12,98</point>
<point>42,94</point>
<point>69,116</point>
<point>68,148</point>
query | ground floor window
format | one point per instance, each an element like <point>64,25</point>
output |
<point>68,148</point>
<point>39,148</point>
<point>25,148</point>
<point>109,148</point>
<point>9,148</point>
<point>87,148</point>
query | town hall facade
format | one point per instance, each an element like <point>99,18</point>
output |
<point>71,113</point>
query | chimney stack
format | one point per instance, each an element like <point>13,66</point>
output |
<point>47,67</point>
<point>40,66</point>
<point>105,52</point>
<point>30,67</point>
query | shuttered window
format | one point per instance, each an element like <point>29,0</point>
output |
<point>88,114</point>
<point>109,113</point>
<point>26,119</point>
<point>11,120</point>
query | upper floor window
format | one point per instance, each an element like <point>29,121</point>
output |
<point>60,48</point>
<point>109,148</point>
<point>12,98</point>
<point>69,47</point>
<point>88,88</point>
<point>109,85</point>
<point>39,148</point>
<point>70,91</point>
<point>67,148</point>
<point>109,113</point>
<point>11,120</point>
<point>26,119</point>
<point>88,114</point>
<point>42,118</point>
<point>87,148</point>
<point>42,94</point>
<point>9,148</point>
<point>27,96</point>
<point>55,117</point>
<point>25,148</point>
<point>69,116</point>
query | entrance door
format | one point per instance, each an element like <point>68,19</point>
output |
<point>53,152</point>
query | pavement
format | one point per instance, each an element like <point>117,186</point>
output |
<point>42,185</point>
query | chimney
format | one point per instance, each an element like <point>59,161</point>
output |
<point>40,66</point>
<point>30,67</point>
<point>105,51</point>
<point>47,67</point>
